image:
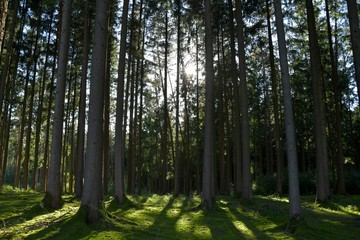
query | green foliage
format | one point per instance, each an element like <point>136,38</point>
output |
<point>168,217</point>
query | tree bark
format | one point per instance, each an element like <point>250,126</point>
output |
<point>119,133</point>
<point>339,158</point>
<point>322,180</point>
<point>245,137</point>
<point>275,102</point>
<point>80,145</point>
<point>355,38</point>
<point>53,192</point>
<point>208,196</point>
<point>3,16</point>
<point>294,192</point>
<point>93,193</point>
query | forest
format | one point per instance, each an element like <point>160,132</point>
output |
<point>198,102</point>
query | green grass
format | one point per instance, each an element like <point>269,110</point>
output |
<point>167,217</point>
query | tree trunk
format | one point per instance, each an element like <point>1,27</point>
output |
<point>40,109</point>
<point>3,16</point>
<point>245,137</point>
<point>119,133</point>
<point>53,192</point>
<point>51,89</point>
<point>177,120</point>
<point>294,192</point>
<point>339,158</point>
<point>80,145</point>
<point>31,108</point>
<point>275,102</point>
<point>322,185</point>
<point>93,194</point>
<point>208,196</point>
<point>234,76</point>
<point>9,47</point>
<point>355,38</point>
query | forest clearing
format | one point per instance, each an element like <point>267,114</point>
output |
<point>168,217</point>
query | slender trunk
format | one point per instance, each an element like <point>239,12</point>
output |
<point>337,101</point>
<point>177,120</point>
<point>294,191</point>
<point>40,109</point>
<point>353,15</point>
<point>9,47</point>
<point>3,16</point>
<point>47,130</point>
<point>208,196</point>
<point>245,137</point>
<point>198,137</point>
<point>93,193</point>
<point>234,74</point>
<point>322,189</point>
<point>275,102</point>
<point>119,129</point>
<point>53,196</point>
<point>166,117</point>
<point>79,162</point>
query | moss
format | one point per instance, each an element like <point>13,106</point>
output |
<point>168,217</point>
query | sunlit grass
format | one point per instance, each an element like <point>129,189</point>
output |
<point>168,217</point>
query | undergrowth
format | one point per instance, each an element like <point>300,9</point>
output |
<point>166,217</point>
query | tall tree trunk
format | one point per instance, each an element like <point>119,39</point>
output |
<point>322,180</point>
<point>234,77</point>
<point>9,47</point>
<point>339,158</point>
<point>275,102</point>
<point>294,192</point>
<point>177,120</point>
<point>93,194</point>
<point>106,148</point>
<point>165,137</point>
<point>51,89</point>
<point>3,16</point>
<point>80,145</point>
<point>31,106</point>
<point>245,137</point>
<point>198,137</point>
<point>119,133</point>
<point>355,38</point>
<point>53,191</point>
<point>40,109</point>
<point>208,196</point>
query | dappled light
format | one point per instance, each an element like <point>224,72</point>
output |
<point>168,217</point>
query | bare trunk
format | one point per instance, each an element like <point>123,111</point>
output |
<point>93,193</point>
<point>79,161</point>
<point>294,192</point>
<point>355,38</point>
<point>119,133</point>
<point>208,196</point>
<point>245,137</point>
<point>53,196</point>
<point>323,189</point>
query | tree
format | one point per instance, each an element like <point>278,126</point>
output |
<point>355,38</point>
<point>208,194</point>
<point>119,130</point>
<point>53,191</point>
<point>275,101</point>
<point>294,192</point>
<point>93,194</point>
<point>3,15</point>
<point>322,180</point>
<point>245,137</point>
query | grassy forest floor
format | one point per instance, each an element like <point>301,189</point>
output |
<point>166,217</point>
